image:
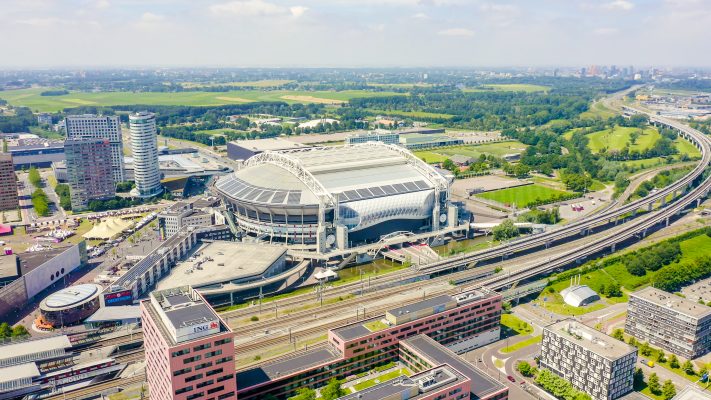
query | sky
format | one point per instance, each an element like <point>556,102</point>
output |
<point>354,33</point>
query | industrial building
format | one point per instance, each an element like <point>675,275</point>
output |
<point>244,149</point>
<point>335,197</point>
<point>8,183</point>
<point>454,325</point>
<point>90,126</point>
<point>673,323</point>
<point>39,153</point>
<point>89,172</point>
<point>71,305</point>
<point>591,361</point>
<point>189,349</point>
<point>421,141</point>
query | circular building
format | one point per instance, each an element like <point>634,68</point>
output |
<point>336,196</point>
<point>71,305</point>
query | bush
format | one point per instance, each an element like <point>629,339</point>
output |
<point>35,178</point>
<point>65,198</point>
<point>506,230</point>
<point>525,368</point>
<point>40,202</point>
<point>559,387</point>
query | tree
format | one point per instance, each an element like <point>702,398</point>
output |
<point>505,230</point>
<point>34,177</point>
<point>618,334</point>
<point>653,383</point>
<point>661,357</point>
<point>449,165</point>
<point>673,361</point>
<point>645,349</point>
<point>688,367</point>
<point>304,394</point>
<point>19,331</point>
<point>5,330</point>
<point>634,136</point>
<point>668,390</point>
<point>638,377</point>
<point>332,390</point>
<point>613,290</point>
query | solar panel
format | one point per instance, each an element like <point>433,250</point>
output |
<point>279,197</point>
<point>388,189</point>
<point>265,196</point>
<point>411,186</point>
<point>400,188</point>
<point>253,195</point>
<point>352,194</point>
<point>344,196</point>
<point>421,184</point>
<point>364,193</point>
<point>377,191</point>
<point>294,197</point>
<point>244,191</point>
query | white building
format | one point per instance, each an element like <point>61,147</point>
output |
<point>90,126</point>
<point>144,148</point>
<point>182,214</point>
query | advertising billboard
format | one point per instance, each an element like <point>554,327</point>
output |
<point>122,298</point>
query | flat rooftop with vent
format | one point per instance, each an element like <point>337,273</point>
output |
<point>590,339</point>
<point>673,302</point>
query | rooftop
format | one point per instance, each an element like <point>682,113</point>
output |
<point>590,339</point>
<point>223,261</point>
<point>26,349</point>
<point>16,372</point>
<point>439,302</point>
<point>481,384</point>
<point>423,383</point>
<point>284,366</point>
<point>273,144</point>
<point>692,392</point>
<point>115,313</point>
<point>71,296</point>
<point>8,266</point>
<point>673,302</point>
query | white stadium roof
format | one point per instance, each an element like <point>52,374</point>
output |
<point>356,172</point>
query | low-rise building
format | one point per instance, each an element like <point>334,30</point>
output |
<point>244,149</point>
<point>189,348</point>
<point>670,322</point>
<point>378,135</point>
<point>182,214</point>
<point>591,361</point>
<point>419,141</point>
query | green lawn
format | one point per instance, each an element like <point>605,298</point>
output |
<point>412,114</point>
<point>618,137</point>
<point>498,149</point>
<point>644,163</point>
<point>516,324</point>
<point>382,378</point>
<point>522,195</point>
<point>685,147</point>
<point>598,110</point>
<point>520,345</point>
<point>375,326</point>
<point>31,98</point>
<point>430,156</point>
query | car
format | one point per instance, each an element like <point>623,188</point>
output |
<point>511,378</point>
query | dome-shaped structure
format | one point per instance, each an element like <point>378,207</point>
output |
<point>71,305</point>
<point>368,189</point>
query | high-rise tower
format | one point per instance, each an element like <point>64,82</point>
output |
<point>90,126</point>
<point>144,147</point>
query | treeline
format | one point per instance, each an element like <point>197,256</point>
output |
<point>7,331</point>
<point>65,198</point>
<point>20,122</point>
<point>660,180</point>
<point>651,258</point>
<point>536,216</point>
<point>54,93</point>
<point>40,202</point>
<point>559,387</point>
<point>118,203</point>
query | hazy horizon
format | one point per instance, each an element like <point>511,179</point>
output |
<point>353,33</point>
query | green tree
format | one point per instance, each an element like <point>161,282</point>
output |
<point>634,136</point>
<point>505,230</point>
<point>449,165</point>
<point>525,368</point>
<point>5,330</point>
<point>332,390</point>
<point>688,367</point>
<point>34,177</point>
<point>645,349</point>
<point>19,331</point>
<point>668,390</point>
<point>304,394</point>
<point>661,357</point>
<point>618,334</point>
<point>653,383</point>
<point>673,361</point>
<point>638,377</point>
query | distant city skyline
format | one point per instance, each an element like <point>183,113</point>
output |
<point>354,33</point>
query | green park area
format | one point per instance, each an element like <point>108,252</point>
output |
<point>522,196</point>
<point>34,100</point>
<point>510,87</point>
<point>498,149</point>
<point>411,114</point>
<point>619,137</point>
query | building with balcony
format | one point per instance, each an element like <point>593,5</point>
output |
<point>108,127</point>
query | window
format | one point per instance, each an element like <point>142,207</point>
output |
<point>192,378</point>
<point>223,360</point>
<point>191,359</point>
<point>203,384</point>
<point>181,371</point>
<point>202,347</point>
<point>217,389</point>
<point>224,378</point>
<point>213,353</point>
<point>203,365</point>
<point>195,396</point>
<point>225,396</point>
<point>184,390</point>
<point>180,353</point>
<point>213,372</point>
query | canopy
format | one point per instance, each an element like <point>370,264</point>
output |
<point>108,228</point>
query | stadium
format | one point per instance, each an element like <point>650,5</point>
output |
<point>338,196</point>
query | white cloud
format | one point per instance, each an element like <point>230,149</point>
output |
<point>102,4</point>
<point>150,18</point>
<point>606,31</point>
<point>255,8</point>
<point>618,5</point>
<point>456,32</point>
<point>40,22</point>
<point>420,15</point>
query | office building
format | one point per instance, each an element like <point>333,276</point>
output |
<point>189,349</point>
<point>44,119</point>
<point>100,127</point>
<point>421,141</point>
<point>89,171</point>
<point>673,323</point>
<point>144,148</point>
<point>8,183</point>
<point>182,214</point>
<point>591,361</point>
<point>433,331</point>
<point>378,135</point>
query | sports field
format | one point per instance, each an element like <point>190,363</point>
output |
<point>522,195</point>
<point>498,149</point>
<point>618,137</point>
<point>31,98</point>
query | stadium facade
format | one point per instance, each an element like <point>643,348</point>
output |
<point>337,197</point>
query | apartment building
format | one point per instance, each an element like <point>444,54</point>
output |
<point>189,349</point>
<point>448,324</point>
<point>90,126</point>
<point>144,148</point>
<point>670,322</point>
<point>89,171</point>
<point>8,183</point>
<point>593,362</point>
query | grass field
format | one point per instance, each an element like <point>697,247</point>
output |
<point>618,137</point>
<point>521,195</point>
<point>598,110</point>
<point>31,98</point>
<point>510,87</point>
<point>520,345</point>
<point>498,149</point>
<point>258,84</point>
<point>412,114</point>
<point>516,324</point>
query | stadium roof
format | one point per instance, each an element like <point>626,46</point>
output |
<point>358,172</point>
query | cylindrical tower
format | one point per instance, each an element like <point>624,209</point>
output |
<point>144,147</point>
